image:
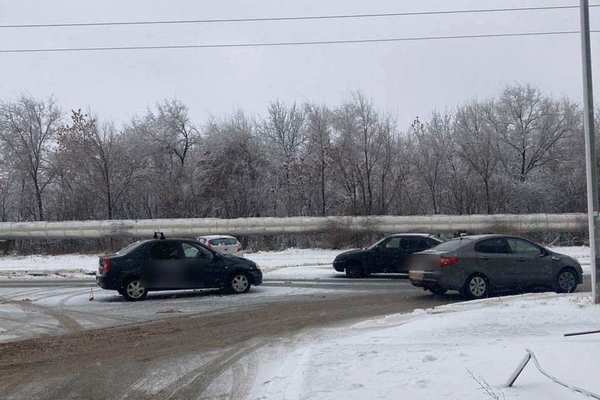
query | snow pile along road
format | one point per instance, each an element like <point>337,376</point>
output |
<point>458,351</point>
<point>80,266</point>
<point>298,263</point>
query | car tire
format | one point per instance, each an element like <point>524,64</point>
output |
<point>354,271</point>
<point>566,281</point>
<point>438,291</point>
<point>238,283</point>
<point>134,289</point>
<point>477,286</point>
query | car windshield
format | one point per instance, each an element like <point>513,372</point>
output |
<point>377,243</point>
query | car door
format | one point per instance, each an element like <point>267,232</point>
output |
<point>166,267</point>
<point>495,261</point>
<point>388,254</point>
<point>202,269</point>
<point>532,267</point>
<point>408,246</point>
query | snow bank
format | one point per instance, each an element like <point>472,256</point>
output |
<point>76,266</point>
<point>442,353</point>
<point>313,263</point>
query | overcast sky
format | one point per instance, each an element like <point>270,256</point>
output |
<point>405,79</point>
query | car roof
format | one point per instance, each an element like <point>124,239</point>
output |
<point>169,239</point>
<point>209,237</point>
<point>489,236</point>
<point>428,235</point>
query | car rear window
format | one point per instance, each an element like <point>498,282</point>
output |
<point>450,245</point>
<point>223,242</point>
<point>129,248</point>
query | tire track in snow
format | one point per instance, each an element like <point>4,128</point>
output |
<point>194,384</point>
<point>69,324</point>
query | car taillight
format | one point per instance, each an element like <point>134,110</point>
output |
<point>448,261</point>
<point>106,265</point>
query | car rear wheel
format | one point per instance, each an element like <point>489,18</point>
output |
<point>438,291</point>
<point>239,283</point>
<point>134,290</point>
<point>476,287</point>
<point>566,281</point>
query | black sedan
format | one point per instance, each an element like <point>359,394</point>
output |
<point>171,264</point>
<point>389,255</point>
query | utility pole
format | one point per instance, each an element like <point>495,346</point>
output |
<point>590,149</point>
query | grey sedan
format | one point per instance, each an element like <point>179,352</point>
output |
<point>479,265</point>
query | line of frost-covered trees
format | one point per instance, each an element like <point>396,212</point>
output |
<point>519,152</point>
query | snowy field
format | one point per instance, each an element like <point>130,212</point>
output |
<point>297,263</point>
<point>308,262</point>
<point>450,352</point>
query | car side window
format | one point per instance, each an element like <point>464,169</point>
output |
<point>431,243</point>
<point>165,251</point>
<point>493,246</point>
<point>191,251</point>
<point>393,243</point>
<point>417,244</point>
<point>523,247</point>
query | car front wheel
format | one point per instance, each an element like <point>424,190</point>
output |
<point>239,283</point>
<point>476,287</point>
<point>566,281</point>
<point>134,290</point>
<point>354,271</point>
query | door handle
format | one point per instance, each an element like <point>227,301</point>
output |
<point>484,258</point>
<point>522,259</point>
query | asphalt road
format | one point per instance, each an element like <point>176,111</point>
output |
<point>206,354</point>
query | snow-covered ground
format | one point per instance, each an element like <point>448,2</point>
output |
<point>310,263</point>
<point>297,263</point>
<point>450,352</point>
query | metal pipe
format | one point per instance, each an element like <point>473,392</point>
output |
<point>522,223</point>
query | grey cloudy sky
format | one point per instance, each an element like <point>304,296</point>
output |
<point>405,79</point>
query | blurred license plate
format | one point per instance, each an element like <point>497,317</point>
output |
<point>416,275</point>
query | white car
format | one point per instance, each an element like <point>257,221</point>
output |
<point>222,243</point>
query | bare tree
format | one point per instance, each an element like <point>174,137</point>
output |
<point>530,126</point>
<point>319,145</point>
<point>100,156</point>
<point>27,131</point>
<point>432,144</point>
<point>284,129</point>
<point>477,144</point>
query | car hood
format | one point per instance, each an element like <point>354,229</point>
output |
<point>238,260</point>
<point>567,259</point>
<point>350,253</point>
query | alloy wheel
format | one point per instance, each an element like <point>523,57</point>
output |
<point>477,286</point>
<point>240,283</point>
<point>567,281</point>
<point>135,289</point>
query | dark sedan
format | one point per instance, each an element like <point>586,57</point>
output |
<point>171,264</point>
<point>479,265</point>
<point>388,255</point>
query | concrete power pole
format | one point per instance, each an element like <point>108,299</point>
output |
<point>590,149</point>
